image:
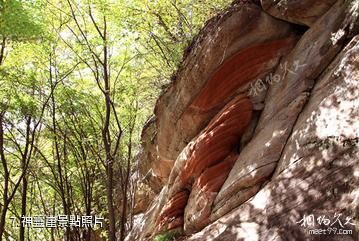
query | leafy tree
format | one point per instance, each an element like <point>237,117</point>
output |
<point>17,23</point>
<point>78,81</point>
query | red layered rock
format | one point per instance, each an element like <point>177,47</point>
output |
<point>204,192</point>
<point>300,154</point>
<point>212,179</point>
<point>237,71</point>
<point>218,138</point>
<point>172,213</point>
<point>209,163</point>
<point>284,103</point>
<point>308,153</point>
<point>233,49</point>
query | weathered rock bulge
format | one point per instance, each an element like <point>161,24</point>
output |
<point>259,126</point>
<point>233,49</point>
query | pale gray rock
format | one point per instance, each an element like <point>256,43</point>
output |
<point>304,12</point>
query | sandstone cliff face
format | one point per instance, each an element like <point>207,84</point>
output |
<point>259,127</point>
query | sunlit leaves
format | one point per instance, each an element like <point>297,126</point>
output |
<point>20,19</point>
<point>48,45</point>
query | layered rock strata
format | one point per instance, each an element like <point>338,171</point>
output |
<point>259,128</point>
<point>235,47</point>
<point>317,173</point>
<point>206,169</point>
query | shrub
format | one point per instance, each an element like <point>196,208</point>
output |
<point>167,236</point>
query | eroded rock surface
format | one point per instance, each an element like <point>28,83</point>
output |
<point>304,12</point>
<point>205,170</point>
<point>317,173</point>
<point>260,127</point>
<point>233,48</point>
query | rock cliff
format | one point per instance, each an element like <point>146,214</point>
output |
<point>259,128</point>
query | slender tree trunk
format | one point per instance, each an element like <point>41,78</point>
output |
<point>2,157</point>
<point>107,141</point>
<point>6,179</point>
<point>24,159</point>
<point>101,71</point>
<point>111,210</point>
<point>71,235</point>
<point>124,206</point>
<point>2,50</point>
<point>127,181</point>
<point>88,204</point>
<point>109,167</point>
<point>57,155</point>
<point>23,206</point>
<point>124,194</point>
<point>109,173</point>
<point>3,219</point>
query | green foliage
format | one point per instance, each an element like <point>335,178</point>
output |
<point>20,19</point>
<point>162,30</point>
<point>167,236</point>
<point>51,75</point>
